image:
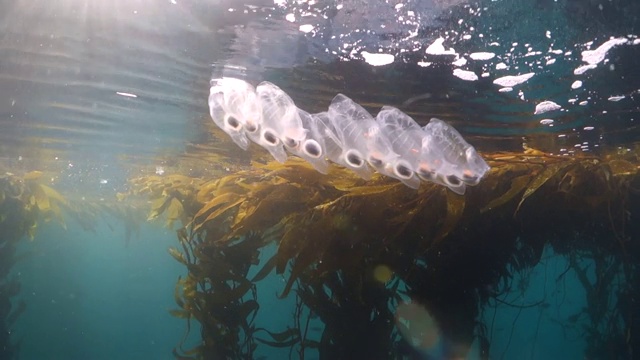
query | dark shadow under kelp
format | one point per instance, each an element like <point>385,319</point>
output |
<point>446,252</point>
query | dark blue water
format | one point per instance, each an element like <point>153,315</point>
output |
<point>95,91</point>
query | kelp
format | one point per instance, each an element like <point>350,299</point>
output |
<point>24,203</point>
<point>331,232</point>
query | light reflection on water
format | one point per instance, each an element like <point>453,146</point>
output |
<point>89,87</point>
<point>93,81</point>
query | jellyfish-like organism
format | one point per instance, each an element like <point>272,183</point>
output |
<point>392,143</point>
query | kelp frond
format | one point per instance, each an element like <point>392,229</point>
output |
<point>325,225</point>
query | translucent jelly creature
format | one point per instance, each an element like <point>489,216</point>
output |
<point>312,148</point>
<point>449,159</point>
<point>346,117</point>
<point>405,136</point>
<point>281,124</point>
<point>331,144</point>
<point>233,106</point>
<point>393,144</point>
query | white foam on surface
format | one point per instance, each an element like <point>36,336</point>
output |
<point>511,80</point>
<point>482,55</point>
<point>437,48</point>
<point>460,62</point>
<point>546,106</point>
<point>594,57</point>
<point>583,69</point>
<point>465,75</point>
<point>306,28</point>
<point>377,59</point>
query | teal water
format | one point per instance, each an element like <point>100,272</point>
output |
<point>90,89</point>
<point>90,296</point>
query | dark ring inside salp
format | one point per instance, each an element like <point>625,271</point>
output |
<point>452,180</point>
<point>312,149</point>
<point>232,122</point>
<point>470,179</point>
<point>375,162</point>
<point>426,174</point>
<point>270,137</point>
<point>354,159</point>
<point>403,171</point>
<point>250,127</point>
<point>289,142</point>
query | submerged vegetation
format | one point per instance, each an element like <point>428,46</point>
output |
<point>352,252</point>
<point>25,203</point>
<point>374,268</point>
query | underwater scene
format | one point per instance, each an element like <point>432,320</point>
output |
<point>339,179</point>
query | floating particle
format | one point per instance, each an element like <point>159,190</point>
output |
<point>506,89</point>
<point>546,106</point>
<point>616,98</point>
<point>546,121</point>
<point>576,84</point>
<point>383,274</point>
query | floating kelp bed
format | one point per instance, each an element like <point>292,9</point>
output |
<point>353,251</point>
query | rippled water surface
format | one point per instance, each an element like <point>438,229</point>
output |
<point>89,88</point>
<point>102,79</point>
